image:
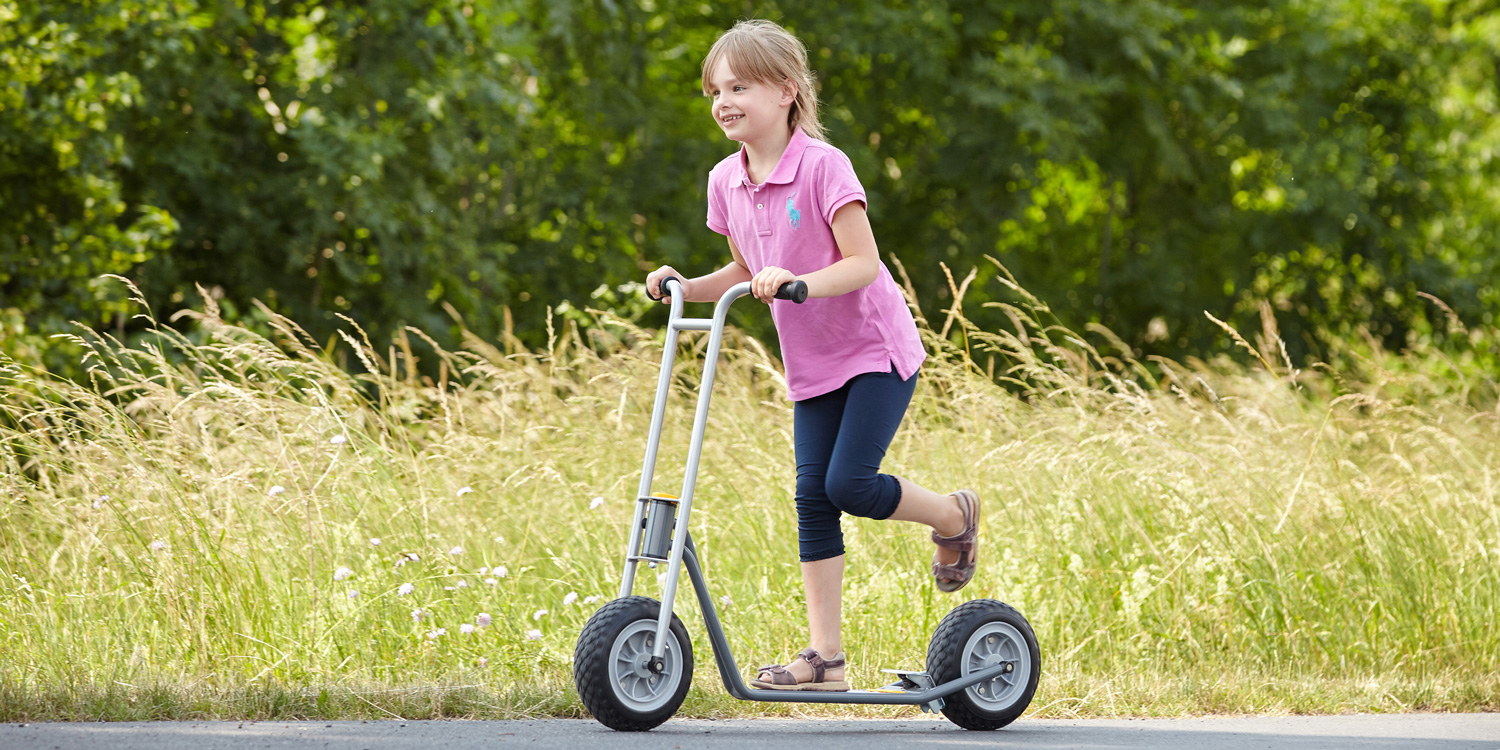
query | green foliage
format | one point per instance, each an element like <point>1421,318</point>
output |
<point>65,217</point>
<point>1136,164</point>
<point>1156,160</point>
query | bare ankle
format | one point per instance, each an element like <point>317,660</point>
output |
<point>953,522</point>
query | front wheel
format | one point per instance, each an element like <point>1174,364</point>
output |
<point>611,666</point>
<point>980,634</point>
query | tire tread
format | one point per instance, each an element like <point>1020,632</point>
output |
<point>945,652</point>
<point>592,679</point>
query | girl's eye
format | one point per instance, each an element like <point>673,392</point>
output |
<point>737,88</point>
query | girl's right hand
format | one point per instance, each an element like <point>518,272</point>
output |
<point>654,279</point>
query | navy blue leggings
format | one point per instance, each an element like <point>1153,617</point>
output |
<point>840,439</point>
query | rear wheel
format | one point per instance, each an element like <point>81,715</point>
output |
<point>612,671</point>
<point>977,635</point>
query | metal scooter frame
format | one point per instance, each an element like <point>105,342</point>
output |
<point>927,695</point>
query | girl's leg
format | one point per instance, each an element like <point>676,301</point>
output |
<point>841,439</point>
<point>874,409</point>
<point>815,429</point>
<point>941,512</point>
<point>824,580</point>
<point>819,536</point>
<point>874,404</point>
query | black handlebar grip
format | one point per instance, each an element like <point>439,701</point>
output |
<point>662,287</point>
<point>796,291</point>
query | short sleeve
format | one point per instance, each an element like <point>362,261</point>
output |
<point>718,215</point>
<point>837,185</point>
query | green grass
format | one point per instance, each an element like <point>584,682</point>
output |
<point>1193,538</point>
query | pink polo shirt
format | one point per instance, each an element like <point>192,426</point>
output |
<point>785,222</point>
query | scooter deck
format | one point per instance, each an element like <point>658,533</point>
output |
<point>893,689</point>
<point>912,682</point>
<point>913,689</point>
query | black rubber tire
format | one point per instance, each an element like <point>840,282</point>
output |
<point>592,671</point>
<point>945,658</point>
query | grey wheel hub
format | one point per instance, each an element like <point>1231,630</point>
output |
<point>994,644</point>
<point>632,680</point>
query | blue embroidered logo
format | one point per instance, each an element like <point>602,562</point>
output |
<point>792,214</point>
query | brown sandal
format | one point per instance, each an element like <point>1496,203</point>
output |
<point>961,572</point>
<point>782,679</point>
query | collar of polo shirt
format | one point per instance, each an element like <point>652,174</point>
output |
<point>786,167</point>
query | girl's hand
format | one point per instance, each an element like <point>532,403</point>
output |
<point>765,283</point>
<point>654,279</point>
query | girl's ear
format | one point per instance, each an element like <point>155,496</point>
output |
<point>788,92</point>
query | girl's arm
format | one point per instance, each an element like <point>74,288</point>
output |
<point>861,262</point>
<point>713,286</point>
<point>704,288</point>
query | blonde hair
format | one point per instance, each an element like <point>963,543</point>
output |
<point>763,52</point>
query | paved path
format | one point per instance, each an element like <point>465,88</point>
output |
<point>1383,731</point>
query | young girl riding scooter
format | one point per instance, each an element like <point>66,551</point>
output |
<point>793,209</point>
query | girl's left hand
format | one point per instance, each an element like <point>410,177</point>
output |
<point>765,283</point>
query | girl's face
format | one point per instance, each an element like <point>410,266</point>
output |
<point>746,110</point>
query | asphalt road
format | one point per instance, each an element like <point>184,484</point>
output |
<point>1384,731</point>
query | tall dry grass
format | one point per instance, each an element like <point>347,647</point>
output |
<point>1235,535</point>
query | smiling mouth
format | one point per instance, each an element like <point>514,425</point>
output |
<point>731,118</point>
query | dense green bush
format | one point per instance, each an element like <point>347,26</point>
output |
<point>1135,163</point>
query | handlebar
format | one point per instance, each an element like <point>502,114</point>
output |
<point>793,291</point>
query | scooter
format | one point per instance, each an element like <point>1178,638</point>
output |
<point>633,662</point>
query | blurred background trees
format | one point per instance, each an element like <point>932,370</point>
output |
<point>1134,163</point>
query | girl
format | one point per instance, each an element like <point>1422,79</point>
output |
<point>793,208</point>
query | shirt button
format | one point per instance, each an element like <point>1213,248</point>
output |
<point>760,205</point>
